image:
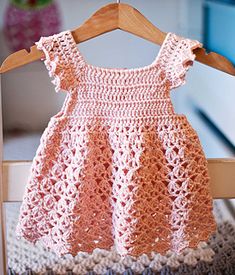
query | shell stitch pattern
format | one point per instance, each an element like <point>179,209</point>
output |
<point>180,60</point>
<point>60,66</point>
<point>117,167</point>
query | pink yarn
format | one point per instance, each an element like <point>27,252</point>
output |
<point>116,166</point>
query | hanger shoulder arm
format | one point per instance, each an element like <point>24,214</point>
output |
<point>214,60</point>
<point>102,21</point>
<point>20,58</point>
<point>133,21</point>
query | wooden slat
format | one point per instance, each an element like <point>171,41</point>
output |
<point>222,173</point>
<point>15,175</point>
<point>2,220</point>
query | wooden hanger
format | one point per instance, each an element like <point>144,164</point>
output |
<point>111,17</point>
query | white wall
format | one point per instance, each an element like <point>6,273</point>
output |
<point>29,99</point>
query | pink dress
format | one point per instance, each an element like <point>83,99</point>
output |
<point>116,166</point>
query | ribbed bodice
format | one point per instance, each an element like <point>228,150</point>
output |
<point>117,93</point>
<point>113,95</point>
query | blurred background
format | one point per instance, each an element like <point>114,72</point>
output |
<point>29,98</point>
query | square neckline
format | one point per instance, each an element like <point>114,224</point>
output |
<point>92,67</point>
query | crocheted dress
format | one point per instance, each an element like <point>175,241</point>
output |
<point>116,166</point>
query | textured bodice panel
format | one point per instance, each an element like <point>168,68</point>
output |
<point>113,94</point>
<point>131,96</point>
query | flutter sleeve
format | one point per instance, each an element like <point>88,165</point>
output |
<point>180,60</point>
<point>58,61</point>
